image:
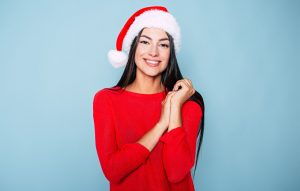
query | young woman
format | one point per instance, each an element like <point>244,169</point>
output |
<point>146,126</point>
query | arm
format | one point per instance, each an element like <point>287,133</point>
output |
<point>180,140</point>
<point>115,162</point>
<point>150,139</point>
<point>119,162</point>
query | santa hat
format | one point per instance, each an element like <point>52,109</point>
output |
<point>154,16</point>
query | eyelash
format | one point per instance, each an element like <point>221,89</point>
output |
<point>144,42</point>
<point>163,45</point>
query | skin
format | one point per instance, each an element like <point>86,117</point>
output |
<point>152,57</point>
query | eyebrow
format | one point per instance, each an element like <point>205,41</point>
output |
<point>162,39</point>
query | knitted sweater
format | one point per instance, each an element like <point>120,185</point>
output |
<point>121,118</point>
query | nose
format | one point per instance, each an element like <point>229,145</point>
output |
<point>153,50</point>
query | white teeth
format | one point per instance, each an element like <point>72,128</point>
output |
<point>152,62</point>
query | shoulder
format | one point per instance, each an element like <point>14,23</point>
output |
<point>101,93</point>
<point>108,96</point>
<point>191,107</point>
<point>102,96</point>
<point>191,104</point>
<point>107,92</point>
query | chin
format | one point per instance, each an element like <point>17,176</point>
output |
<point>151,73</point>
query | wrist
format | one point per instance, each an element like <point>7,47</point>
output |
<point>174,124</point>
<point>175,117</point>
<point>176,107</point>
<point>161,125</point>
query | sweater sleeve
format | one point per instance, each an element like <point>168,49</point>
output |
<point>116,162</point>
<point>180,143</point>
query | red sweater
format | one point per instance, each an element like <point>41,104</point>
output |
<point>121,119</point>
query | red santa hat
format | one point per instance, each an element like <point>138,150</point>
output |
<point>154,16</point>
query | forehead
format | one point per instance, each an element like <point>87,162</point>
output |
<point>154,33</point>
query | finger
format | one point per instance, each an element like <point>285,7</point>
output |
<point>188,81</point>
<point>193,91</point>
<point>191,88</point>
<point>191,83</point>
<point>170,94</point>
<point>184,85</point>
<point>176,85</point>
<point>179,83</point>
<point>167,97</point>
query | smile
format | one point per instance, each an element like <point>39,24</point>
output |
<point>152,63</point>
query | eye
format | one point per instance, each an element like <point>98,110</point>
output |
<point>144,42</point>
<point>164,45</point>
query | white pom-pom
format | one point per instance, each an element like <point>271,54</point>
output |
<point>117,58</point>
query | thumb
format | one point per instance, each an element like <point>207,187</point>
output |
<point>177,87</point>
<point>170,94</point>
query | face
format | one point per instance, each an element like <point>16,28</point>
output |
<point>152,52</point>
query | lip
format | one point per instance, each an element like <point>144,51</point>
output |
<point>152,63</point>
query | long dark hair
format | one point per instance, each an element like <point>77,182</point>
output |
<point>169,77</point>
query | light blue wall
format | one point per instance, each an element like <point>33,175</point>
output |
<point>243,56</point>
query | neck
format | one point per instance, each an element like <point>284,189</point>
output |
<point>146,85</point>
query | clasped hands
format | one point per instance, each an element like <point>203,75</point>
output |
<point>171,106</point>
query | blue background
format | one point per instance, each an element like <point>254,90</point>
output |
<point>243,56</point>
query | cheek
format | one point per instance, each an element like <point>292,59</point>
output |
<point>166,58</point>
<point>136,59</point>
<point>166,55</point>
<point>137,54</point>
<point>140,50</point>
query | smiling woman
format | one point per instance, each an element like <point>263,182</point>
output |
<point>152,52</point>
<point>146,126</point>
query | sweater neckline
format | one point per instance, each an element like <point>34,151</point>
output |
<point>157,94</point>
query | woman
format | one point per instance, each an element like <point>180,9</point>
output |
<point>146,126</point>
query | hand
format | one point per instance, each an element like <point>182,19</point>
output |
<point>182,94</point>
<point>166,109</point>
